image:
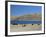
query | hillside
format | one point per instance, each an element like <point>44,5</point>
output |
<point>27,17</point>
<point>13,17</point>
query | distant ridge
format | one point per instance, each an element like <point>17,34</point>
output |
<point>28,17</point>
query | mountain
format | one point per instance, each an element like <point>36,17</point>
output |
<point>30,17</point>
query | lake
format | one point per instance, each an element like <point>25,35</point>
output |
<point>26,22</point>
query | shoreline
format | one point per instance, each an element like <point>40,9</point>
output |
<point>28,27</point>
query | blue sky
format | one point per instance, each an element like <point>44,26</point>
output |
<point>19,10</point>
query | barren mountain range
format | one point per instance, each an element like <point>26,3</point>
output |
<point>27,17</point>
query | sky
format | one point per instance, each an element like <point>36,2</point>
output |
<point>19,10</point>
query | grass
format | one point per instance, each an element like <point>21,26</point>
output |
<point>28,27</point>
